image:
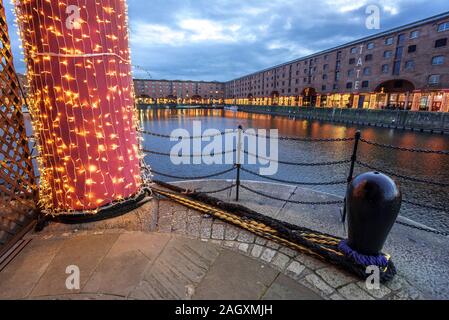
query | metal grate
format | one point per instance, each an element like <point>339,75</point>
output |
<point>17,179</point>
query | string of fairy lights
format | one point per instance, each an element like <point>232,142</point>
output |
<point>82,103</point>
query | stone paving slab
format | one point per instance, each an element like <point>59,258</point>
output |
<point>236,277</point>
<point>283,288</point>
<point>177,271</point>
<point>86,252</point>
<point>19,278</point>
<point>132,252</point>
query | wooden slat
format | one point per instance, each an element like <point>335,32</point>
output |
<point>18,194</point>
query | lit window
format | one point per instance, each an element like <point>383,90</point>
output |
<point>443,27</point>
<point>434,79</point>
<point>438,60</point>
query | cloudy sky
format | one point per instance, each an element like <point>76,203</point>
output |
<point>225,39</point>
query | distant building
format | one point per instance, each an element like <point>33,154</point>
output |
<point>178,91</point>
<point>406,68</point>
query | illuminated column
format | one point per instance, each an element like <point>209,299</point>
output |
<point>78,65</point>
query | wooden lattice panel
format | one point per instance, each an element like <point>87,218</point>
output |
<point>17,183</point>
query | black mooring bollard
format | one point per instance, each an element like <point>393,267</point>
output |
<point>373,204</point>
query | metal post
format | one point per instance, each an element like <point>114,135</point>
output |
<point>238,163</point>
<point>358,135</point>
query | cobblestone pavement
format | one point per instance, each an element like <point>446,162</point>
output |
<point>165,251</point>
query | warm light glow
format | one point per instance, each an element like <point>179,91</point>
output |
<point>82,102</point>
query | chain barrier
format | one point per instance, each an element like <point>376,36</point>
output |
<point>299,183</point>
<point>195,191</point>
<point>304,164</point>
<point>422,229</point>
<point>165,154</point>
<point>301,139</point>
<point>424,206</point>
<point>194,177</point>
<point>365,165</point>
<point>292,201</point>
<point>186,137</point>
<point>388,146</point>
<point>217,191</point>
<point>351,161</point>
<point>249,134</point>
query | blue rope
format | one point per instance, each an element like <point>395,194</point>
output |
<point>380,260</point>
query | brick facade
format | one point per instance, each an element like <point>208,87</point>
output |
<point>403,68</point>
<point>390,69</point>
<point>164,91</point>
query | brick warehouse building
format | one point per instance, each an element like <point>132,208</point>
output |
<point>177,91</point>
<point>406,67</point>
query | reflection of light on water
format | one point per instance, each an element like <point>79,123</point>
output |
<point>424,166</point>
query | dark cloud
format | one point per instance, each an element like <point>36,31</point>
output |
<point>224,39</point>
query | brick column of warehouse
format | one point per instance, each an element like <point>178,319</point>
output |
<point>82,104</point>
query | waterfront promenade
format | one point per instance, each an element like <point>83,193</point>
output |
<point>165,251</point>
<point>431,122</point>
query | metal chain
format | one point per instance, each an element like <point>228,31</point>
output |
<point>190,156</point>
<point>217,191</point>
<point>442,233</point>
<point>187,137</point>
<point>440,152</point>
<point>425,206</point>
<point>329,183</point>
<point>292,201</point>
<point>305,164</point>
<point>303,139</point>
<point>440,184</point>
<point>194,177</point>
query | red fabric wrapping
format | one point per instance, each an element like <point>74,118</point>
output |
<point>83,101</point>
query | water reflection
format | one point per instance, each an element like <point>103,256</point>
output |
<point>423,166</point>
